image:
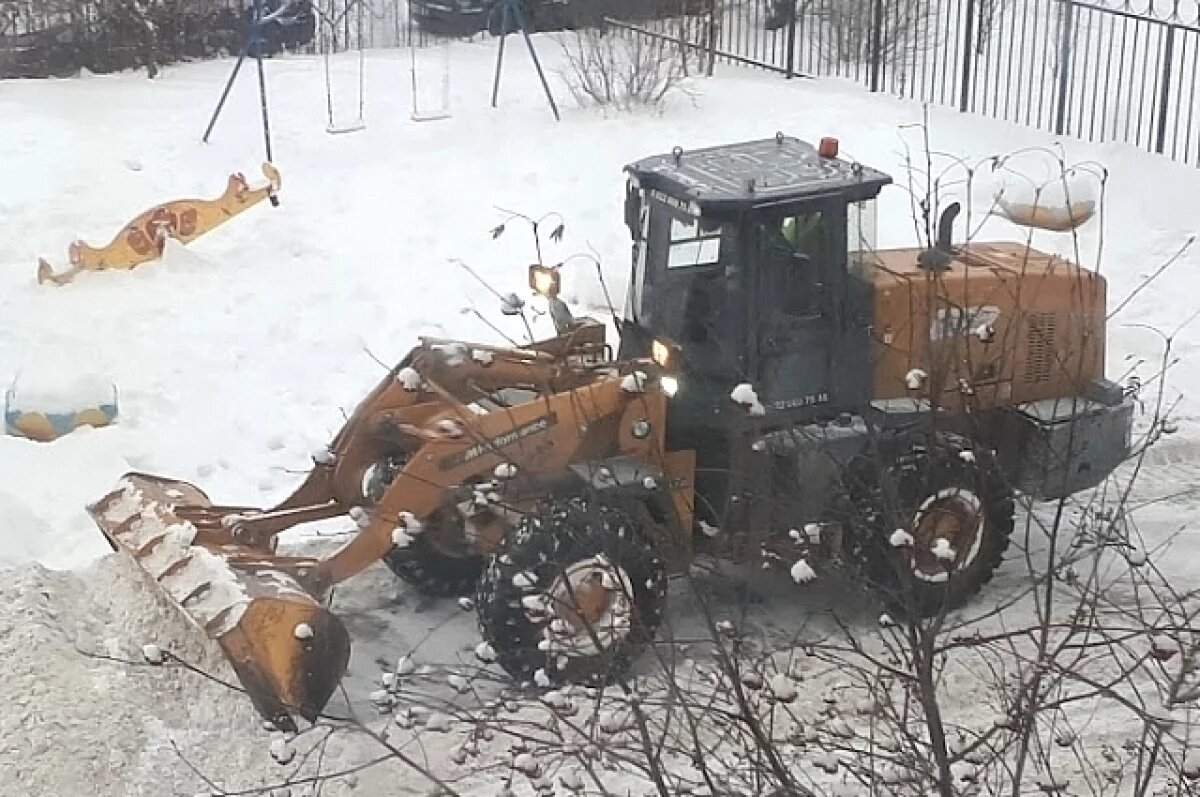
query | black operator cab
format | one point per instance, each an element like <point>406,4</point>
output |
<point>745,259</point>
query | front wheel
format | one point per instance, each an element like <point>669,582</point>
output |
<point>576,591</point>
<point>930,516</point>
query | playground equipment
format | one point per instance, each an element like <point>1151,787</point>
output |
<point>331,19</point>
<point>512,18</point>
<point>143,239</point>
<point>443,111</point>
<point>253,46</point>
<point>1054,218</point>
<point>44,417</point>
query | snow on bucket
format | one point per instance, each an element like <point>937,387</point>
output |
<point>45,408</point>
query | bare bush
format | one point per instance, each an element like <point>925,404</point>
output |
<point>989,13</point>
<point>609,69</point>
<point>866,31</point>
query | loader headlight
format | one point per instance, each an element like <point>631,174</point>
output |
<point>662,354</point>
<point>641,429</point>
<point>545,281</point>
<point>670,385</point>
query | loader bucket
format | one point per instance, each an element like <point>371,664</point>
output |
<point>288,651</point>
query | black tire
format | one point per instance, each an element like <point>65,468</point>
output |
<point>884,491</point>
<point>561,535</point>
<point>433,569</point>
<point>432,572</point>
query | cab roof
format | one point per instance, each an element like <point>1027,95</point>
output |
<point>753,174</point>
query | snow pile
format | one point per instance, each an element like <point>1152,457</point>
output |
<point>74,723</point>
<point>194,576</point>
<point>53,392</point>
<point>24,537</point>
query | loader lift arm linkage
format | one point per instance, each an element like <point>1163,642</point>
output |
<point>264,608</point>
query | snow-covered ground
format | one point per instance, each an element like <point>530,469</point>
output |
<point>236,357</point>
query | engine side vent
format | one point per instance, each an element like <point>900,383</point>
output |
<point>1040,347</point>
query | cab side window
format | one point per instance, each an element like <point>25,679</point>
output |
<point>693,243</point>
<point>792,255</point>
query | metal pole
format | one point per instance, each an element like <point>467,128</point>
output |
<point>712,39</point>
<point>968,52</point>
<point>791,39</point>
<point>256,41</point>
<point>536,63</point>
<point>328,79</point>
<point>225,94</point>
<point>504,19</point>
<point>1160,143</point>
<point>362,66</point>
<point>876,42</point>
<point>1064,66</point>
<point>262,98</point>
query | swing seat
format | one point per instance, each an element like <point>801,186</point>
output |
<point>338,130</point>
<point>333,128</point>
<point>429,117</point>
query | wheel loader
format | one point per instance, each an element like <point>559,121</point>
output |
<point>781,390</point>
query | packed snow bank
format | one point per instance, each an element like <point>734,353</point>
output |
<point>74,723</point>
<point>59,393</point>
<point>24,537</point>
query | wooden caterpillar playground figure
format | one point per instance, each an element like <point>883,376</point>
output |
<point>185,220</point>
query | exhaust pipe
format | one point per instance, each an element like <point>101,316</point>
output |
<point>938,257</point>
<point>945,232</point>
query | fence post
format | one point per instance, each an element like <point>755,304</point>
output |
<point>1164,98</point>
<point>712,38</point>
<point>875,55</point>
<point>1066,41</point>
<point>968,52</point>
<point>791,39</point>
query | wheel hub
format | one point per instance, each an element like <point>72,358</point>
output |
<point>590,597</point>
<point>948,531</point>
<point>380,475</point>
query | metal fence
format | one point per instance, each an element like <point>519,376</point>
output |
<point>1102,71</point>
<point>383,23</point>
<point>347,24</point>
<point>44,38</point>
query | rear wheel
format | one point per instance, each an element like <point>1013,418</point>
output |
<point>437,562</point>
<point>433,572</point>
<point>929,517</point>
<point>576,591</point>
